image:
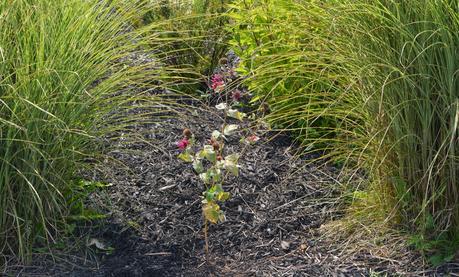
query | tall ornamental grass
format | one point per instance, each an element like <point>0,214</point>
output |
<point>414,84</point>
<point>374,84</point>
<point>63,72</point>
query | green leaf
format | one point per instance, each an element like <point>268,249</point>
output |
<point>186,157</point>
<point>220,164</point>
<point>212,175</point>
<point>205,177</point>
<point>215,193</point>
<point>200,155</point>
<point>216,135</point>
<point>230,129</point>
<point>209,196</point>
<point>231,164</point>
<point>233,158</point>
<point>223,196</point>
<point>197,166</point>
<point>209,153</point>
<point>216,175</point>
<point>212,212</point>
<point>232,168</point>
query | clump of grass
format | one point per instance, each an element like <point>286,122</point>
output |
<point>62,64</point>
<point>374,85</point>
<point>412,47</point>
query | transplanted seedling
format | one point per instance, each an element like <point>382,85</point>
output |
<point>212,166</point>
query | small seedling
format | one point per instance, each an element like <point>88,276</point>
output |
<point>212,166</point>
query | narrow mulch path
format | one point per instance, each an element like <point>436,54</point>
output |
<point>274,218</point>
<point>155,225</point>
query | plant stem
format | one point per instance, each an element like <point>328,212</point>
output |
<point>206,239</point>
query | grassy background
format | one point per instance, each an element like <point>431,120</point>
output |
<point>192,36</point>
<point>370,83</point>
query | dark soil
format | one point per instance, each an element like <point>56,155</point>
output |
<point>277,204</point>
<point>155,224</point>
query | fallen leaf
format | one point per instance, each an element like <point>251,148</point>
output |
<point>285,245</point>
<point>98,244</point>
<point>236,114</point>
<point>230,129</point>
<point>222,106</point>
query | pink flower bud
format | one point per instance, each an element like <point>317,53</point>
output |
<point>217,83</point>
<point>217,78</point>
<point>253,139</point>
<point>183,143</point>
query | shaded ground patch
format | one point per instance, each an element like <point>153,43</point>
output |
<point>155,225</point>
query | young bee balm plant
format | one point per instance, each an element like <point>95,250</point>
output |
<point>212,167</point>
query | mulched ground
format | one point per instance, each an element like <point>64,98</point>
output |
<point>155,225</point>
<point>276,205</point>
